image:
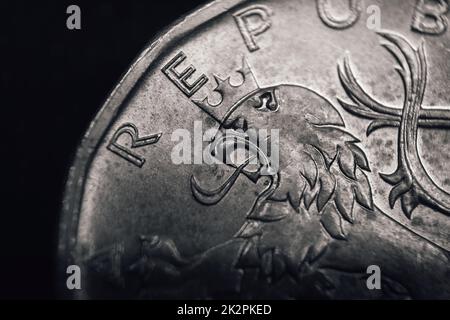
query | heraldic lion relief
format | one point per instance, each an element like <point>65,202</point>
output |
<point>301,234</point>
<point>304,219</point>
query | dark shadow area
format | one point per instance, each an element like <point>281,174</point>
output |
<point>54,81</point>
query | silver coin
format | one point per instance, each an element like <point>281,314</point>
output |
<point>271,149</point>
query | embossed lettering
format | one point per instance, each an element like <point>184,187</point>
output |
<point>136,142</point>
<point>73,21</point>
<point>429,18</point>
<point>253,21</point>
<point>181,79</point>
<point>323,7</point>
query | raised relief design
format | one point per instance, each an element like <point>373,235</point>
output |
<point>181,79</point>
<point>324,9</point>
<point>253,21</point>
<point>412,184</point>
<point>429,17</point>
<point>312,228</point>
<point>136,142</point>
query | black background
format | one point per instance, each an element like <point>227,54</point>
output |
<point>53,81</point>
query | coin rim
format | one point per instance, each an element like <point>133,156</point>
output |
<point>87,148</point>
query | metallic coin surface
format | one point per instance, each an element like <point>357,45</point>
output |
<point>287,149</point>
